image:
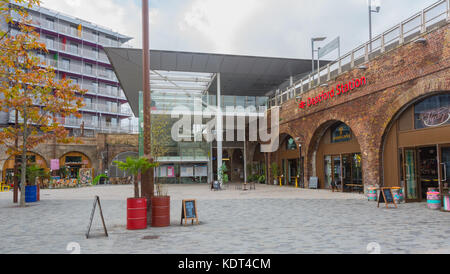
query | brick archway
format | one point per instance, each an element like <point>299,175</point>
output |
<point>312,145</point>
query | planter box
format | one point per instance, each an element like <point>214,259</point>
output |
<point>30,194</point>
<point>161,211</point>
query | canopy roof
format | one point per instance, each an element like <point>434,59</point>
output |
<point>240,75</point>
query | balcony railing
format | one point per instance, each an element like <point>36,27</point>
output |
<point>431,17</point>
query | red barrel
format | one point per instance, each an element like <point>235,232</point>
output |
<point>136,213</point>
<point>161,211</point>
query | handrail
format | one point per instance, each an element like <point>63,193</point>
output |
<point>385,39</point>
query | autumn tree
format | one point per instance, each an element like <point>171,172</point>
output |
<point>31,89</point>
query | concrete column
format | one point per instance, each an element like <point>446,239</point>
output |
<point>219,127</point>
<point>245,161</point>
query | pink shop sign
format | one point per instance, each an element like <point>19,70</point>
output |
<point>54,164</point>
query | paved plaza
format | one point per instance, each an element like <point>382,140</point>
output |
<point>272,219</point>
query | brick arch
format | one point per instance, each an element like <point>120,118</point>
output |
<point>398,107</point>
<point>118,151</point>
<point>313,141</point>
<point>418,91</point>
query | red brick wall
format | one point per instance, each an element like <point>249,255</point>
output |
<point>395,79</point>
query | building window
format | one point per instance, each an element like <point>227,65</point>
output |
<point>65,64</point>
<point>50,42</point>
<point>50,23</point>
<point>432,112</point>
<point>290,144</point>
<point>341,133</point>
<point>88,68</point>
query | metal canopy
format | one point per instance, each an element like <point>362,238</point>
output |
<point>240,75</point>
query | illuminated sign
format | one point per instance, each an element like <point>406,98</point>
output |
<point>339,90</point>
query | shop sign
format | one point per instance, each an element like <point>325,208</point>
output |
<point>170,171</point>
<point>341,134</point>
<point>54,164</point>
<point>339,90</point>
<point>436,117</point>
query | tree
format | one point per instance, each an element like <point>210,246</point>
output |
<point>160,139</point>
<point>135,166</point>
<point>29,88</point>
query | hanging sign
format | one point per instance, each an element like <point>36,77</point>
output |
<point>339,90</point>
<point>54,164</point>
<point>170,171</point>
<point>335,44</point>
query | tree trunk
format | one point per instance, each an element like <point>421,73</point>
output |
<point>136,186</point>
<point>23,175</point>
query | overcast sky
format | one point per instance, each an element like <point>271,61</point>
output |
<point>277,28</point>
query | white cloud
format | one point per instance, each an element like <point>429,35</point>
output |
<point>254,27</point>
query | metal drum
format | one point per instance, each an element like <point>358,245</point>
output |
<point>160,211</point>
<point>372,194</point>
<point>447,203</point>
<point>397,192</point>
<point>136,213</point>
<point>434,200</point>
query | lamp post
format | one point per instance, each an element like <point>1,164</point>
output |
<point>147,188</point>
<point>315,39</point>
<point>377,10</point>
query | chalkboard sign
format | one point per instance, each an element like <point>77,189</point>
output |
<point>96,201</point>
<point>386,197</point>
<point>189,211</point>
<point>313,183</point>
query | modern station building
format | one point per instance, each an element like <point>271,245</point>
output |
<point>377,116</point>
<point>197,85</point>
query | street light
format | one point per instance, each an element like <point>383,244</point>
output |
<point>377,6</point>
<point>315,39</point>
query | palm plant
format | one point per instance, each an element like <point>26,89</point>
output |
<point>135,166</point>
<point>223,176</point>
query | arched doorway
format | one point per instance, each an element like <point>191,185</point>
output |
<point>8,167</point>
<point>114,171</point>
<point>73,162</point>
<point>416,147</point>
<point>337,158</point>
<point>288,159</point>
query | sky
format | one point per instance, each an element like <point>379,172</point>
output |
<point>275,28</point>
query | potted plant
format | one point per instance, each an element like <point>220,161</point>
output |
<point>223,176</point>
<point>275,172</point>
<point>137,206</point>
<point>161,206</point>
<point>262,179</point>
<point>31,189</point>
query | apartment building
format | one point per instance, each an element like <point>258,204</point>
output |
<point>75,51</point>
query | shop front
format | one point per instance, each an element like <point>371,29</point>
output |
<point>289,156</point>
<point>73,162</point>
<point>8,167</point>
<point>338,160</point>
<point>416,154</point>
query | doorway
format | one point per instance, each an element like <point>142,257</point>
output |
<point>344,171</point>
<point>424,168</point>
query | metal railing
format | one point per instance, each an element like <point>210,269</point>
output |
<point>429,18</point>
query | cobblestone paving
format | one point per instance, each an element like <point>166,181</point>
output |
<point>297,224</point>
